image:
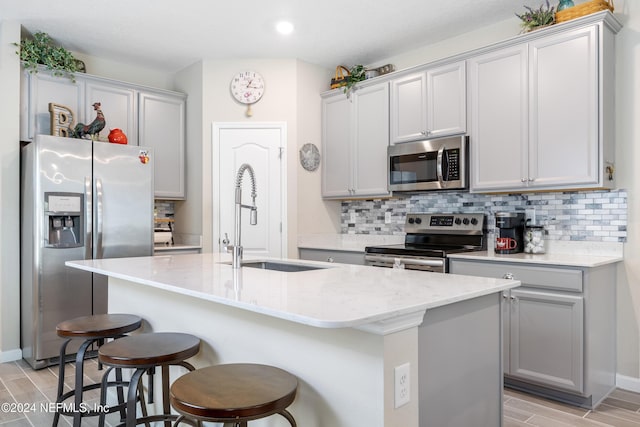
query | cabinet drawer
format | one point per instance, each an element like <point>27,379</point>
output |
<point>565,279</point>
<point>343,257</point>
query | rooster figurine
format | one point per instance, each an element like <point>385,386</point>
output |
<point>93,128</point>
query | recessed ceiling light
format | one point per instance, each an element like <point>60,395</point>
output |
<point>284,27</point>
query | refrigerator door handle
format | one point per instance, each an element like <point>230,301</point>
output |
<point>99,199</point>
<point>88,213</point>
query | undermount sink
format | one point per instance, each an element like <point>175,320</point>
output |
<point>280,266</point>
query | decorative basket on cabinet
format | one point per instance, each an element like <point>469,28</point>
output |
<point>586,8</point>
<point>340,79</point>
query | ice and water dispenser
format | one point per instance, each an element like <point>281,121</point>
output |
<point>64,225</point>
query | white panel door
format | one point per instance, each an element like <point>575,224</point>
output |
<point>262,147</point>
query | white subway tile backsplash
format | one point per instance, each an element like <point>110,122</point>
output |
<point>580,216</point>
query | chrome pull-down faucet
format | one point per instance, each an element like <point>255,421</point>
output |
<point>253,215</point>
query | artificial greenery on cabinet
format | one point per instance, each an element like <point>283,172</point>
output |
<point>40,50</point>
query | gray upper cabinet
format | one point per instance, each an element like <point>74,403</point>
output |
<point>38,90</point>
<point>409,108</point>
<point>336,146</point>
<point>149,117</point>
<point>119,105</point>
<point>498,89</point>
<point>430,103</point>
<point>541,111</point>
<point>162,127</point>
<point>355,137</point>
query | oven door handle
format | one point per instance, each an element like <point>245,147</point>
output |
<point>405,261</point>
<point>439,169</point>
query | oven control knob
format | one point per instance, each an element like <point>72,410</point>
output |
<point>411,220</point>
<point>458,221</point>
<point>474,221</point>
<point>465,221</point>
<point>418,220</point>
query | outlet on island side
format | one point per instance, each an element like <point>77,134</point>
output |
<point>402,383</point>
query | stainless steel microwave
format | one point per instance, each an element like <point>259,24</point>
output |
<point>435,164</point>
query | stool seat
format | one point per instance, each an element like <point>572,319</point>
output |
<point>99,325</point>
<point>94,329</point>
<point>149,350</point>
<point>234,392</point>
<point>144,352</point>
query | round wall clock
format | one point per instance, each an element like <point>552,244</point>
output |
<point>247,87</point>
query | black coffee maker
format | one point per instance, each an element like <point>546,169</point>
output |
<point>509,232</point>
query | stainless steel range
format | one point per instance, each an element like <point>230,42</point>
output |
<point>429,240</point>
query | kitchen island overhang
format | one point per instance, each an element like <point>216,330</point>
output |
<point>342,329</point>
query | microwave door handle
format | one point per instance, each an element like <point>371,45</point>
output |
<point>439,166</point>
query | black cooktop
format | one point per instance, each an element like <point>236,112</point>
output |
<point>436,235</point>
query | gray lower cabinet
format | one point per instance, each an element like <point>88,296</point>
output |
<point>559,362</point>
<point>324,255</point>
<point>558,328</point>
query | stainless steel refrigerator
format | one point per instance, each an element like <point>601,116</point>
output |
<point>80,200</point>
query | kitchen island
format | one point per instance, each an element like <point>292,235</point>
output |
<point>371,347</point>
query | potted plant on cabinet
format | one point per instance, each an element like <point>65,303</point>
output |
<point>356,74</point>
<point>40,50</point>
<point>533,19</point>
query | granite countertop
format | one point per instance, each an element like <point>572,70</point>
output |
<point>336,296</point>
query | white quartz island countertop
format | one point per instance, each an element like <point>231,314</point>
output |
<point>334,296</point>
<point>341,329</point>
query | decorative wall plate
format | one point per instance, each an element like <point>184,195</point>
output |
<point>309,157</point>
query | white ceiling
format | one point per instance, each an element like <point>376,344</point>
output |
<point>170,35</point>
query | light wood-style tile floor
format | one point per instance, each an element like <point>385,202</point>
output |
<point>22,385</point>
<point>620,409</point>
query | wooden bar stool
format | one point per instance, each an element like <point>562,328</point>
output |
<point>234,394</point>
<point>142,353</point>
<point>94,329</point>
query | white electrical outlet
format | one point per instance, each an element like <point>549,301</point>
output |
<point>352,217</point>
<point>402,385</point>
<point>387,217</point>
<point>530,214</point>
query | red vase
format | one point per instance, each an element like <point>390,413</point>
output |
<point>117,136</point>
